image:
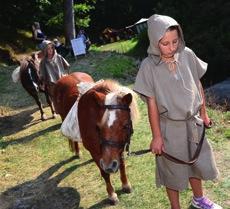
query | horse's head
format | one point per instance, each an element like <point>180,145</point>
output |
<point>36,58</point>
<point>115,126</point>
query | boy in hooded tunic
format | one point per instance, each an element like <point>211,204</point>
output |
<point>171,87</point>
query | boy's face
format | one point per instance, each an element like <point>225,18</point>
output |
<point>168,45</point>
<point>50,50</point>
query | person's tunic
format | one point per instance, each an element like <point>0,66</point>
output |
<point>54,69</point>
<point>178,100</point>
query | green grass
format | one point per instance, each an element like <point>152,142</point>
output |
<point>120,47</point>
<point>36,165</point>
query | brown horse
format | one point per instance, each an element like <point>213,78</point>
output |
<point>65,94</point>
<point>105,114</point>
<point>28,74</point>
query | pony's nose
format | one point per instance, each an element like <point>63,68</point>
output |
<point>110,168</point>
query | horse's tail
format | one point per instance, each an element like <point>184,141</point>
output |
<point>16,75</point>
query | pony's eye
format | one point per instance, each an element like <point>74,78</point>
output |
<point>126,126</point>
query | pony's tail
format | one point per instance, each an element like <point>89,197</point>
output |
<point>16,75</point>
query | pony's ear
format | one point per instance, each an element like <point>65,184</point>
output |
<point>99,98</point>
<point>127,99</point>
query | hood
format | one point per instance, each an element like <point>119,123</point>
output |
<point>45,43</point>
<point>157,26</point>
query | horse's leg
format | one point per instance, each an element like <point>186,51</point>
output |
<point>112,195</point>
<point>74,147</point>
<point>38,101</point>
<point>77,150</point>
<point>50,103</point>
<point>126,187</point>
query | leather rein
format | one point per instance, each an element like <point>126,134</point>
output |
<point>176,160</point>
<point>126,143</point>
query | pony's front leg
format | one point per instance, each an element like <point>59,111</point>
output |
<point>112,195</point>
<point>50,103</point>
<point>126,186</point>
<point>74,147</point>
<point>38,101</point>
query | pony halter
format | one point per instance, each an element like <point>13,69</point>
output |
<point>129,127</point>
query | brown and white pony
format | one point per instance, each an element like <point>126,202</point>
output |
<point>28,74</point>
<point>105,116</point>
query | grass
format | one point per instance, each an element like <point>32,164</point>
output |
<point>37,168</point>
<point>120,47</point>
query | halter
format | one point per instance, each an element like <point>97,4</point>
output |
<point>109,142</point>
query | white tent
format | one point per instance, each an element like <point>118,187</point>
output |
<point>142,20</point>
<point>139,25</point>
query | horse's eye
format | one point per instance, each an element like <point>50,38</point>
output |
<point>127,126</point>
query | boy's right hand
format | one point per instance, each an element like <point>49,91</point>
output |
<point>157,145</point>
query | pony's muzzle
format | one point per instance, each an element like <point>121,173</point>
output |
<point>112,167</point>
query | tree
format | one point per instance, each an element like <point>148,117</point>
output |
<point>69,23</point>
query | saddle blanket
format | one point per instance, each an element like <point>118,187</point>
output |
<point>70,126</point>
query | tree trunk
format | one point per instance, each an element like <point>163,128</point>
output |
<point>69,23</point>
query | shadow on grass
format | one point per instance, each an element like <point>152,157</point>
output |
<point>14,123</point>
<point>43,192</point>
<point>28,138</point>
<point>106,202</point>
<point>191,207</point>
<point>102,204</point>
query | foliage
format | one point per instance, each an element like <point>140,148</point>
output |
<point>205,24</point>
<point>21,14</point>
<point>82,14</point>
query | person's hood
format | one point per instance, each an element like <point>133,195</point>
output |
<point>157,26</point>
<point>45,43</point>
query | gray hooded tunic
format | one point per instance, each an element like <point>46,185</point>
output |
<point>52,70</point>
<point>178,100</point>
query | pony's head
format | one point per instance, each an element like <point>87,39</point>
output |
<point>115,126</point>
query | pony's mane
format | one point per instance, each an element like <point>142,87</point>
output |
<point>111,86</point>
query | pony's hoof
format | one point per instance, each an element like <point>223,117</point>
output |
<point>127,189</point>
<point>44,117</point>
<point>113,199</point>
<point>54,115</point>
<point>78,155</point>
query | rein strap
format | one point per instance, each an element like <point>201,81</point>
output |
<point>112,143</point>
<point>117,107</point>
<point>176,160</point>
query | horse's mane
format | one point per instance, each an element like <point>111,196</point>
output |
<point>111,86</point>
<point>32,60</point>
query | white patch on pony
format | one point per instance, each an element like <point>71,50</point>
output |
<point>31,78</point>
<point>111,98</point>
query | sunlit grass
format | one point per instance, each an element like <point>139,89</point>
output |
<point>34,154</point>
<point>120,47</point>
